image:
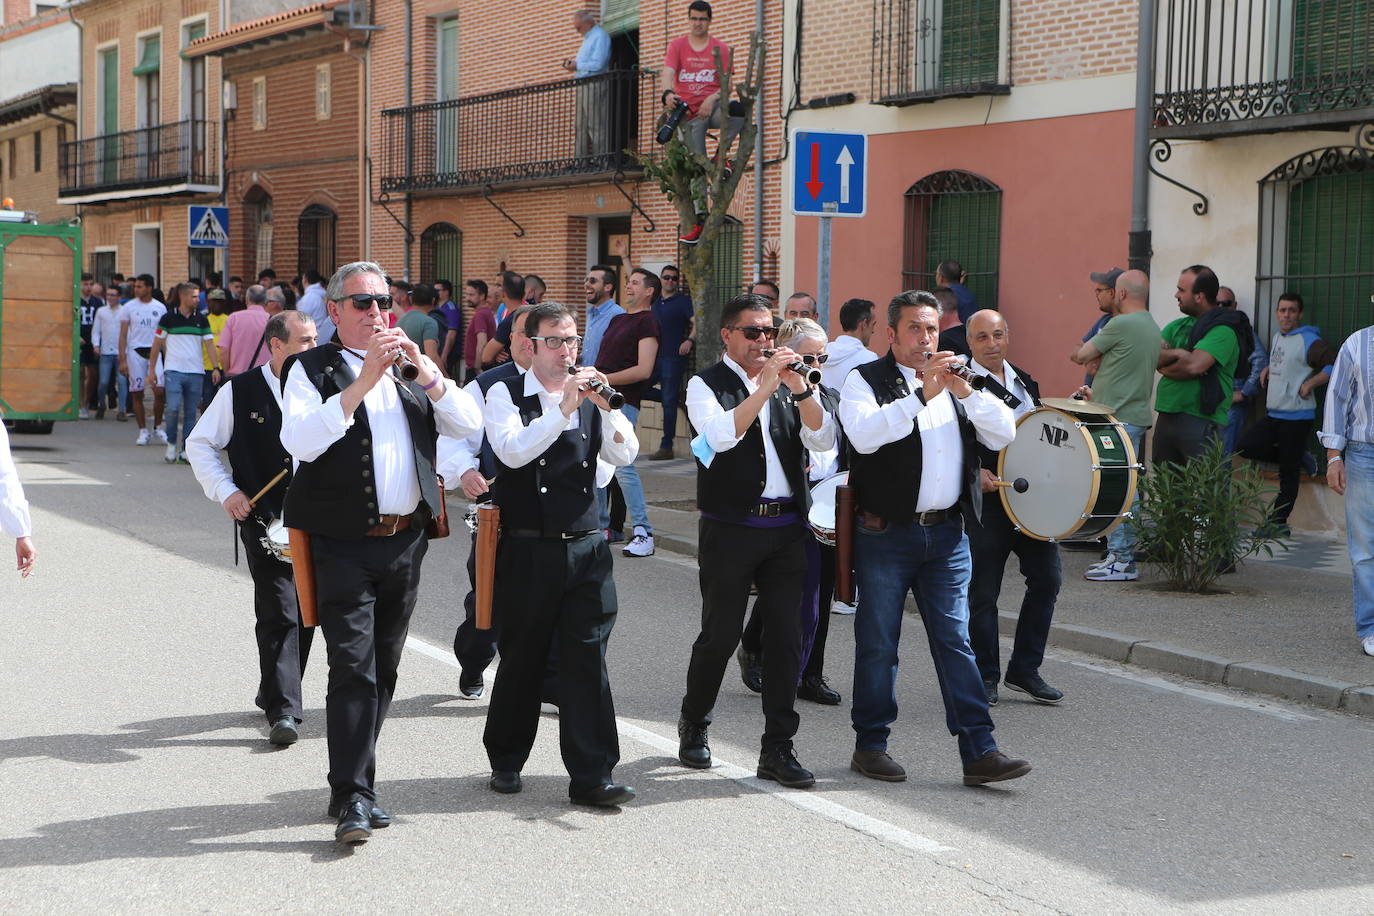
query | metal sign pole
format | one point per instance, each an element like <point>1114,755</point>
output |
<point>823,275</point>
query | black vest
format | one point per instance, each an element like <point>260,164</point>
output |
<point>486,458</point>
<point>336,494</point>
<point>255,450</point>
<point>555,492</point>
<point>887,482</point>
<point>734,482</point>
<point>986,456</point>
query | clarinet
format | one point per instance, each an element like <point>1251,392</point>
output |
<point>614,398</point>
<point>409,371</point>
<point>960,370</point>
<point>812,376</point>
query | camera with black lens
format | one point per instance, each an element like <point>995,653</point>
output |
<point>670,123</point>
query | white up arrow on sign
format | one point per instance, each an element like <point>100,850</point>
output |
<point>845,162</point>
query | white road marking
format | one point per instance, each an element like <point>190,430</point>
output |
<point>807,801</point>
<point>1200,693</point>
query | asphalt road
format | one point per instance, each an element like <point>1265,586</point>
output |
<point>137,777</point>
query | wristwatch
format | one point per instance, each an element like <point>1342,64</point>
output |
<point>803,396</point>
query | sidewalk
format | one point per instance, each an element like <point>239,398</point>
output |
<point>1285,628</point>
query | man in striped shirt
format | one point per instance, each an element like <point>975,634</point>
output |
<point>1348,434</point>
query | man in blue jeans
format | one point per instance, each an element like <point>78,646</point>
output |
<point>914,428</point>
<point>677,326</point>
<point>1128,347</point>
<point>1348,434</point>
<point>184,338</point>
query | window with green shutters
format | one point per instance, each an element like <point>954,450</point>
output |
<point>441,254</point>
<point>150,56</point>
<point>621,16</point>
<point>108,116</point>
<point>930,49</point>
<point>968,42</point>
<point>954,215</point>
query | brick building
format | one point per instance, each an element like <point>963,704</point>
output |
<point>38,93</point>
<point>294,175</point>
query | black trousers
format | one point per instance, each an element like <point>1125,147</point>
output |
<point>752,638</point>
<point>991,542</point>
<point>365,592</point>
<point>552,592</point>
<point>731,557</point>
<point>1181,436</point>
<point>1283,441</point>
<point>283,644</point>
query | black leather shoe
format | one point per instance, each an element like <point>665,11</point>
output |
<point>471,685</point>
<point>355,822</point>
<point>751,669</point>
<point>605,796</point>
<point>815,689</point>
<point>507,782</point>
<point>994,766</point>
<point>284,732</point>
<point>781,766</point>
<point>376,816</point>
<point>692,749</point>
<point>990,688</point>
<point>1035,685</point>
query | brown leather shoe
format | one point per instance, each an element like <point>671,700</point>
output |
<point>663,454</point>
<point>994,766</point>
<point>877,765</point>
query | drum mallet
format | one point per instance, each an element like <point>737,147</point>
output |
<point>1020,484</point>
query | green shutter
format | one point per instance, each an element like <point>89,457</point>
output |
<point>621,16</point>
<point>109,103</point>
<point>967,227</point>
<point>151,59</point>
<point>1328,39</point>
<point>1331,250</point>
<point>447,60</point>
<point>193,33</point>
<point>728,259</point>
<point>969,42</point>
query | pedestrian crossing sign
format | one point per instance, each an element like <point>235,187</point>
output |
<point>209,227</point>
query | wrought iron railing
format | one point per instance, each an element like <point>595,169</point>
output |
<point>1236,66</point>
<point>168,155</point>
<point>925,50</point>
<point>545,132</point>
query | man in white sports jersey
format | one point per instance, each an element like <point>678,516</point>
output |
<point>138,323</point>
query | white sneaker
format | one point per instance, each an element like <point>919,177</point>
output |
<point>641,545</point>
<point>839,607</point>
<point>1113,572</point>
<point>142,439</point>
<point>1108,560</point>
<point>548,709</point>
<point>171,456</point>
<point>161,435</point>
<point>83,414</point>
<point>1368,645</point>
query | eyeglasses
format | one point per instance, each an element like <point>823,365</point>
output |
<point>363,301</point>
<point>815,359</point>
<point>754,332</point>
<point>558,343</point>
<point>1226,303</point>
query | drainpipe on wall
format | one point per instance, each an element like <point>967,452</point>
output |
<point>80,94</point>
<point>410,128</point>
<point>1139,248</point>
<point>758,157</point>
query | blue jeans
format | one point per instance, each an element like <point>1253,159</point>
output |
<point>668,376</point>
<point>109,366</point>
<point>1122,541</point>
<point>183,397</point>
<point>1359,530</point>
<point>1235,421</point>
<point>630,486</point>
<point>932,562</point>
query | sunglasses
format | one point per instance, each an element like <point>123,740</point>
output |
<point>754,333</point>
<point>363,301</point>
<point>815,359</point>
<point>558,343</point>
<point>1226,303</point>
<point>667,277</point>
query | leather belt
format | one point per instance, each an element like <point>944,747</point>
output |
<point>387,525</point>
<point>930,517</point>
<point>556,536</point>
<point>771,509</point>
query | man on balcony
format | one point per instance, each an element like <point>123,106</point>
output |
<point>593,59</point>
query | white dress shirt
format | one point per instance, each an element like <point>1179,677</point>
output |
<point>516,444</point>
<point>206,444</point>
<point>14,508</point>
<point>1012,382</point>
<point>310,425</point>
<point>105,330</point>
<point>718,426</point>
<point>870,427</point>
<point>458,456</point>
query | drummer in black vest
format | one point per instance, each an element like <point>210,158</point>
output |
<point>555,443</point>
<point>236,451</point>
<point>755,421</point>
<point>365,488</point>
<point>992,538</point>
<point>914,428</point>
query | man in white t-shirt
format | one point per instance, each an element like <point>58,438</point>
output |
<point>138,324</point>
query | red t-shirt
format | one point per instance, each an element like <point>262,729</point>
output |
<point>483,322</point>
<point>620,349</point>
<point>696,70</point>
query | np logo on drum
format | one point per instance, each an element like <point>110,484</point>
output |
<point>1054,435</point>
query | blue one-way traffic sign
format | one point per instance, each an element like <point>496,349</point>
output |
<point>829,173</point>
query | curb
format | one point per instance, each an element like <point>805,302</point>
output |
<point>1157,655</point>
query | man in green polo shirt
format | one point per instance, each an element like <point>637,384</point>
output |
<point>1197,368</point>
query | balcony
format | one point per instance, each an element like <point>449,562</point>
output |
<point>571,130</point>
<point>926,50</point>
<point>151,161</point>
<point>1227,67</point>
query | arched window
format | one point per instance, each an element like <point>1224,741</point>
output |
<point>953,215</point>
<point>441,254</point>
<point>315,235</point>
<point>257,207</point>
<point>1317,239</point>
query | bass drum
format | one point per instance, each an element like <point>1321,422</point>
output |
<point>821,518</point>
<point>1070,473</point>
